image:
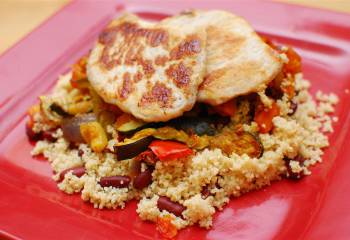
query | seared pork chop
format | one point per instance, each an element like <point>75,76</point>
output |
<point>151,71</point>
<point>238,61</point>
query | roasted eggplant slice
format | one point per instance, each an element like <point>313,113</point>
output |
<point>240,143</point>
<point>169,133</point>
<point>252,144</point>
<point>132,148</point>
<point>194,125</point>
<point>127,124</point>
<point>59,110</point>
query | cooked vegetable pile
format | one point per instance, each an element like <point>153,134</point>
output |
<point>83,117</point>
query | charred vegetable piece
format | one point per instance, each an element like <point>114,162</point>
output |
<point>198,110</point>
<point>251,144</point>
<point>132,148</point>
<point>127,123</point>
<point>194,125</point>
<point>192,140</point>
<point>59,110</point>
<point>226,109</point>
<point>71,127</point>
<point>142,134</point>
<point>47,113</point>
<point>240,143</point>
<point>169,150</point>
<point>106,118</point>
<point>169,133</point>
<point>97,102</point>
<point>80,107</point>
<point>94,134</point>
<point>263,116</point>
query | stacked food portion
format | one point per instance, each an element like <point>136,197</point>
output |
<point>180,114</point>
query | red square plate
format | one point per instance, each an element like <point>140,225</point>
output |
<point>31,206</point>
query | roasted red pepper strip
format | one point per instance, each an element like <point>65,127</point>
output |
<point>168,150</point>
<point>263,117</point>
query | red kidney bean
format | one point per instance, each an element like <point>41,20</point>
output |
<point>299,159</point>
<point>80,152</point>
<point>143,179</point>
<point>165,203</point>
<point>135,168</point>
<point>77,171</point>
<point>48,135</point>
<point>115,181</point>
<point>293,175</point>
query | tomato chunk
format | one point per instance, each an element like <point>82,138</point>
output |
<point>294,64</point>
<point>263,116</point>
<point>165,227</point>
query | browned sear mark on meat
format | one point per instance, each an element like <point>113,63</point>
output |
<point>188,47</point>
<point>161,60</point>
<point>154,37</point>
<point>137,77</point>
<point>160,94</point>
<point>179,73</point>
<point>107,36</point>
<point>133,55</point>
<point>132,35</point>
<point>147,67</point>
<point>127,86</point>
<point>130,57</point>
<point>157,37</point>
<point>108,60</point>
